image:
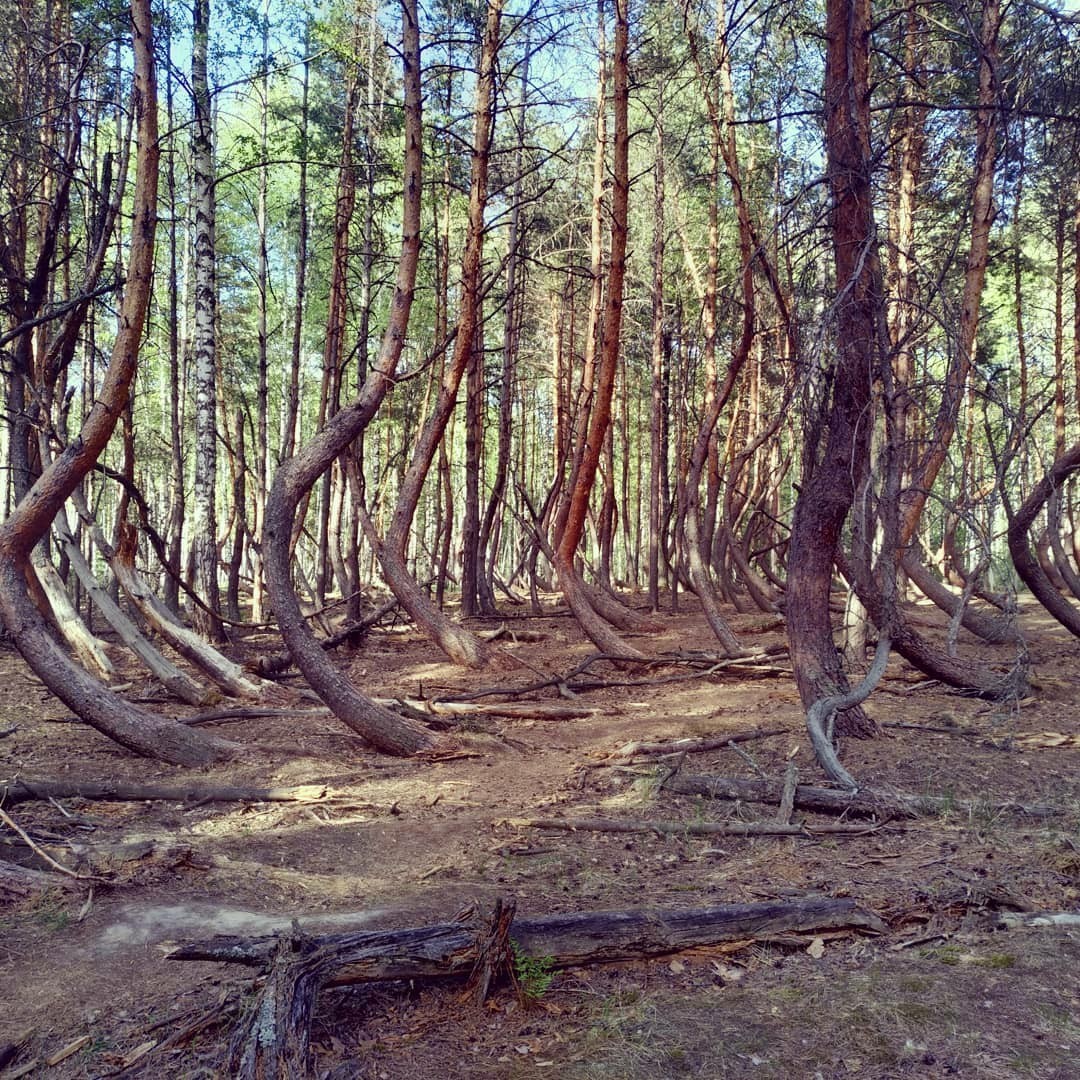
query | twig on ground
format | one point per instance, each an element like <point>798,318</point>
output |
<point>686,746</point>
<point>732,745</point>
<point>787,797</point>
<point>40,852</point>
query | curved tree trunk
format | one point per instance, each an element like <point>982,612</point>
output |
<point>1027,565</point>
<point>89,649</point>
<point>461,646</point>
<point>829,484</point>
<point>135,728</point>
<point>165,671</point>
<point>1061,557</point>
<point>584,476</point>
<point>982,218</point>
<point>998,629</point>
<point>385,729</point>
<point>973,676</point>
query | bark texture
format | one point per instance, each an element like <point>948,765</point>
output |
<point>831,480</point>
<point>295,476</point>
<point>135,728</point>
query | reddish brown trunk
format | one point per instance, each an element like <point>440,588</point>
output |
<point>453,639</point>
<point>829,484</point>
<point>294,478</point>
<point>127,724</point>
<point>982,218</point>
<point>600,415</point>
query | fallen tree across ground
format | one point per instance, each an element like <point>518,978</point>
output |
<point>25,789</point>
<point>862,803</point>
<point>276,1043</point>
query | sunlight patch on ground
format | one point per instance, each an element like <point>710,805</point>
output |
<point>145,924</point>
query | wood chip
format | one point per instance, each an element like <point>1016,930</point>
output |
<point>71,1048</point>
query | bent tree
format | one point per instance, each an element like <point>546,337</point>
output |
<point>581,602</point>
<point>832,475</point>
<point>296,475</point>
<point>460,645</point>
<point>138,729</point>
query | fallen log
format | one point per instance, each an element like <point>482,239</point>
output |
<point>1038,920</point>
<point>273,1040</point>
<point>25,789</point>
<point>445,950</point>
<point>689,828</point>
<point>865,802</point>
<point>689,746</point>
<point>20,882</point>
<point>510,710</point>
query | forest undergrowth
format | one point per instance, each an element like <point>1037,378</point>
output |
<point>956,986</point>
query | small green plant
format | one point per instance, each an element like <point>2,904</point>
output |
<point>532,974</point>
<point>946,954</point>
<point>50,913</point>
<point>996,960</point>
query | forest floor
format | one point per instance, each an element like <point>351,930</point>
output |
<point>946,992</point>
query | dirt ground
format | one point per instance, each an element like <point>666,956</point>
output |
<point>947,992</point>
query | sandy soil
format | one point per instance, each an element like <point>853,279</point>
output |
<point>946,992</point>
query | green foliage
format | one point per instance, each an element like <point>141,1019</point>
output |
<point>532,974</point>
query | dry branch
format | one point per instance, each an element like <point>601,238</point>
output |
<point>787,795</point>
<point>36,848</point>
<point>690,746</point>
<point>689,828</point>
<point>273,1039</point>
<point>519,711</point>
<point>863,803</point>
<point>24,789</point>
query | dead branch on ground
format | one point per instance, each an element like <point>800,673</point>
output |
<point>630,750</point>
<point>864,803</point>
<point>274,1038</point>
<point>24,789</point>
<point>693,828</point>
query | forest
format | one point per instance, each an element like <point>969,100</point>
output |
<point>407,394</point>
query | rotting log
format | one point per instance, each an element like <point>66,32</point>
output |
<point>862,803</point>
<point>25,789</point>
<point>690,828</point>
<point>274,1038</point>
<point>21,882</point>
<point>689,746</point>
<point>446,950</point>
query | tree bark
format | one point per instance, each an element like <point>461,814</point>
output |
<point>1027,565</point>
<point>273,1041</point>
<point>982,218</point>
<point>599,420</point>
<point>866,802</point>
<point>204,338</point>
<point>461,646</point>
<point>829,484</point>
<point>296,475</point>
<point>135,728</point>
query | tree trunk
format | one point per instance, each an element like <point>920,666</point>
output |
<point>1027,565</point>
<point>982,218</point>
<point>829,484</point>
<point>204,339</point>
<point>461,646</point>
<point>600,414</point>
<point>135,728</point>
<point>656,387</point>
<point>295,476</point>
